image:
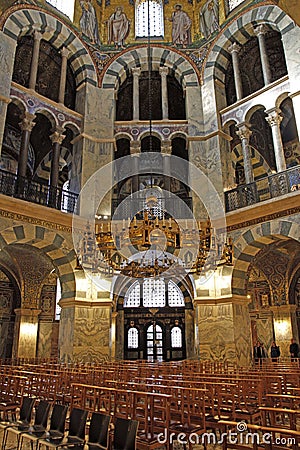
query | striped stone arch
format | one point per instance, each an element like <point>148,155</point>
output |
<point>254,240</point>
<point>24,20</point>
<point>241,30</point>
<point>260,166</point>
<point>43,170</point>
<point>51,244</point>
<point>117,72</point>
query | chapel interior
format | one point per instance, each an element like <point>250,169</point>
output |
<point>150,219</point>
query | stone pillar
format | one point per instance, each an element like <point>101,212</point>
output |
<point>166,151</point>
<point>164,92</point>
<point>260,32</point>
<point>234,50</point>
<point>113,335</point>
<point>274,118</point>
<point>57,139</point>
<point>26,126</point>
<point>136,101</point>
<point>7,51</point>
<point>224,330</point>
<point>189,333</point>
<point>26,331</point>
<point>63,75</point>
<point>285,327</point>
<point>37,37</point>
<point>135,150</point>
<point>244,134</point>
<point>296,106</point>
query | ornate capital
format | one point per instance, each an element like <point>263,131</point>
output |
<point>37,35</point>
<point>244,131</point>
<point>27,123</point>
<point>166,147</point>
<point>163,71</point>
<point>58,137</point>
<point>260,29</point>
<point>136,71</point>
<point>135,148</point>
<point>274,118</point>
<point>64,52</point>
<point>234,48</point>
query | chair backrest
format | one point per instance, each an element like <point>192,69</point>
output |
<point>98,431</point>
<point>78,419</point>
<point>58,418</point>
<point>42,413</point>
<point>125,434</point>
<point>26,409</point>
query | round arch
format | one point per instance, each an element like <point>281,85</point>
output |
<point>218,57</point>
<point>22,20</point>
<point>254,240</point>
<point>117,71</point>
<point>51,244</point>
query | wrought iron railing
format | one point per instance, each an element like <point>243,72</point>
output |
<point>265,188</point>
<point>37,192</point>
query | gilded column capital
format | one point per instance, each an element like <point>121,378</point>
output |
<point>27,122</point>
<point>135,148</point>
<point>166,147</point>
<point>58,136</point>
<point>274,117</point>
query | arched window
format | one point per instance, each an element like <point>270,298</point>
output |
<point>133,296</point>
<point>133,338</point>
<point>176,337</point>
<point>175,295</point>
<point>154,294</point>
<point>156,24</point>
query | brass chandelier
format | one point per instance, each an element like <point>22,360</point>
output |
<point>149,244</point>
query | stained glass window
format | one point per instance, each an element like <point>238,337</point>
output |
<point>176,337</point>
<point>175,295</point>
<point>154,343</point>
<point>133,338</point>
<point>133,296</point>
<point>154,293</point>
<point>156,25</point>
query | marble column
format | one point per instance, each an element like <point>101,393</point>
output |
<point>164,92</point>
<point>26,126</point>
<point>296,106</point>
<point>113,335</point>
<point>63,75</point>
<point>274,119</point>
<point>260,32</point>
<point>136,100</point>
<point>37,37</point>
<point>244,134</point>
<point>57,139</point>
<point>26,332</point>
<point>135,150</point>
<point>234,50</point>
<point>166,151</point>
<point>7,51</point>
